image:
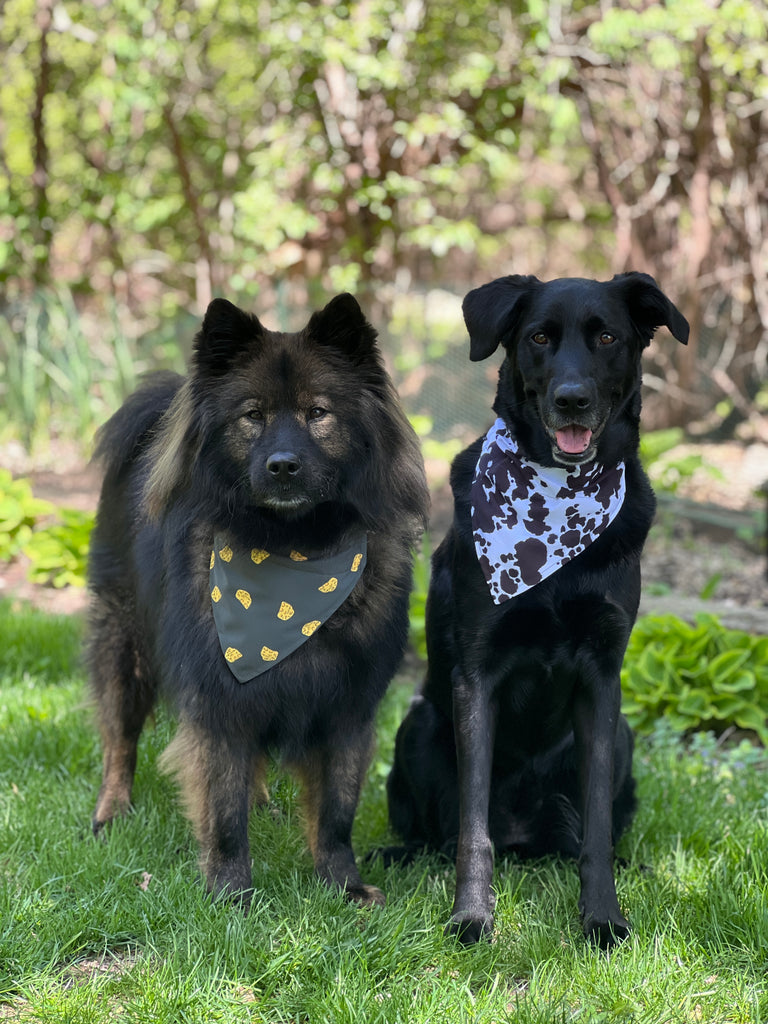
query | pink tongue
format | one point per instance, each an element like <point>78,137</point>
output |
<point>573,439</point>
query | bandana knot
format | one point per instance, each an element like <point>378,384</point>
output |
<point>529,520</point>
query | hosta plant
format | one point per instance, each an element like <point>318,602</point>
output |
<point>698,676</point>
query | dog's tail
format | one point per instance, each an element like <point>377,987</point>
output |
<point>123,438</point>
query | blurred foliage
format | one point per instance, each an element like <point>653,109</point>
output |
<point>63,371</point>
<point>697,676</point>
<point>656,443</point>
<point>58,553</point>
<point>54,540</point>
<point>19,512</point>
<point>417,611</point>
<point>667,469</point>
<point>153,154</point>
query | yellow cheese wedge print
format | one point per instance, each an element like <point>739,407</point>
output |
<point>232,654</point>
<point>310,627</point>
<point>285,612</point>
<point>356,562</point>
<point>258,556</point>
<point>329,586</point>
<point>296,556</point>
<point>213,559</point>
<point>216,594</point>
<point>244,598</point>
<point>267,654</point>
<point>226,553</point>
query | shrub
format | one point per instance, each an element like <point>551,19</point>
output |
<point>19,512</point>
<point>57,550</point>
<point>59,553</point>
<point>700,676</point>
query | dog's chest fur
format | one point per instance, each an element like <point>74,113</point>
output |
<point>537,646</point>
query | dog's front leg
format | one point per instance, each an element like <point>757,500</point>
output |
<point>474,726</point>
<point>596,716</point>
<point>216,775</point>
<point>332,777</point>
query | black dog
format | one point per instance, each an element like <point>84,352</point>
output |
<point>516,740</point>
<point>251,561</point>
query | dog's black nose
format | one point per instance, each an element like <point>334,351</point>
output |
<point>283,465</point>
<point>574,397</point>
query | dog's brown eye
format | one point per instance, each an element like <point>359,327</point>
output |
<point>316,412</point>
<point>606,338</point>
<point>539,338</point>
<point>254,414</point>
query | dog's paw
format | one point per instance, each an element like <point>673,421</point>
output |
<point>100,823</point>
<point>109,806</point>
<point>240,899</point>
<point>231,883</point>
<point>470,926</point>
<point>365,895</point>
<point>606,933</point>
<point>99,827</point>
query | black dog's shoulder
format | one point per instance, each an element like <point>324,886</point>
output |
<point>462,474</point>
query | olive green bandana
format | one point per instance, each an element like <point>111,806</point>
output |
<point>267,605</point>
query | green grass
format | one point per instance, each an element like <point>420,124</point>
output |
<point>121,929</point>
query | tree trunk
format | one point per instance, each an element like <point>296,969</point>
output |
<point>42,230</point>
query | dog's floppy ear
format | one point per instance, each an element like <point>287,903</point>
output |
<point>342,325</point>
<point>227,332</point>
<point>649,307</point>
<point>490,312</point>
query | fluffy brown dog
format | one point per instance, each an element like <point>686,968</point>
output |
<point>280,452</point>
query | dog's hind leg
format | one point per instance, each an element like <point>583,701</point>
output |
<point>474,726</point>
<point>124,693</point>
<point>422,789</point>
<point>216,777</point>
<point>332,777</point>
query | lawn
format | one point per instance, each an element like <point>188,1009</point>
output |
<point>94,930</point>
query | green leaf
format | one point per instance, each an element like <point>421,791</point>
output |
<point>696,705</point>
<point>737,683</point>
<point>760,652</point>
<point>725,665</point>
<point>725,706</point>
<point>753,718</point>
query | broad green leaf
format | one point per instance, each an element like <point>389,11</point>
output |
<point>725,665</point>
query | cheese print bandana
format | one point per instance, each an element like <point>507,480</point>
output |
<point>529,520</point>
<point>267,605</point>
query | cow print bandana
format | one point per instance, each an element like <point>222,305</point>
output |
<point>266,606</point>
<point>529,520</point>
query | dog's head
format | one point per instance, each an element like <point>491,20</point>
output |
<point>285,422</point>
<point>570,383</point>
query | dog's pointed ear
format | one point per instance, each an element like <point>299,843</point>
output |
<point>226,333</point>
<point>490,312</point>
<point>649,307</point>
<point>342,325</point>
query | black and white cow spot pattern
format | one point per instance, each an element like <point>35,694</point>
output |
<point>529,520</point>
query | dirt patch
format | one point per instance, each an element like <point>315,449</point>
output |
<point>80,972</point>
<point>107,966</point>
